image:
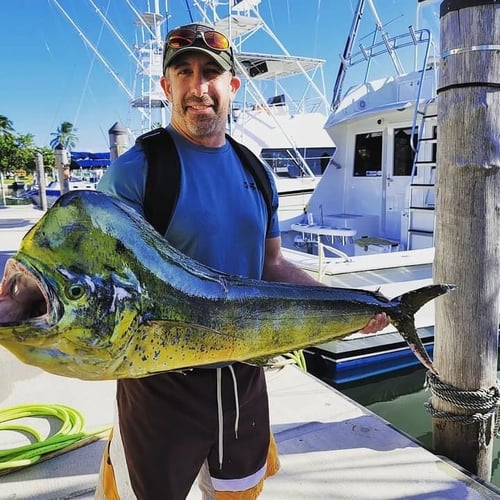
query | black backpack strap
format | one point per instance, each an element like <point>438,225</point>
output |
<point>164,176</point>
<point>255,166</point>
<point>163,179</point>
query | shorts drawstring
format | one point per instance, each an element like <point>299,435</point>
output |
<point>236,402</point>
<point>220,415</point>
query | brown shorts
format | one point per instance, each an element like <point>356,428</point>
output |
<point>169,425</point>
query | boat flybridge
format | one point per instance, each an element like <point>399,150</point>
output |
<point>370,221</point>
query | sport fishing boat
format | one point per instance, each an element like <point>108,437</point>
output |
<point>370,221</point>
<point>283,127</point>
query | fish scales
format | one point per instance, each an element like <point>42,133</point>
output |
<point>94,292</point>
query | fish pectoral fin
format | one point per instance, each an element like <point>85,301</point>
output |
<point>274,363</point>
<point>264,361</point>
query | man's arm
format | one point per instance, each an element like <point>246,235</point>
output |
<point>278,268</point>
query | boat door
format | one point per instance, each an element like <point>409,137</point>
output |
<point>397,176</point>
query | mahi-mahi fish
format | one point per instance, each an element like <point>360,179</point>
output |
<point>94,292</point>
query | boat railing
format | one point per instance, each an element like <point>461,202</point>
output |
<point>323,262</point>
<point>420,129</point>
<point>390,45</point>
<point>425,68</point>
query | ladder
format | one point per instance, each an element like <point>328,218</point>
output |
<point>421,204</point>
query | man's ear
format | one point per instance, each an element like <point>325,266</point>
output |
<point>167,87</point>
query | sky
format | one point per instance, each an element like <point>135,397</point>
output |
<point>49,74</point>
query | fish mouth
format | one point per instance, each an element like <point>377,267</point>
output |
<point>26,298</point>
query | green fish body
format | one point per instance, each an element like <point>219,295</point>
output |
<point>95,293</point>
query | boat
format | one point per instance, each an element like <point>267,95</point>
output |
<point>53,190</point>
<point>370,221</point>
<point>85,171</point>
<point>282,127</point>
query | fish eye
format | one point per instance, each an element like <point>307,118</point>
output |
<point>75,291</point>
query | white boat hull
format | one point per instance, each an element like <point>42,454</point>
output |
<point>52,192</point>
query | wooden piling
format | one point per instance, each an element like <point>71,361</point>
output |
<point>62,164</point>
<point>468,221</point>
<point>40,173</point>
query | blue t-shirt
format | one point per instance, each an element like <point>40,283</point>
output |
<point>220,218</point>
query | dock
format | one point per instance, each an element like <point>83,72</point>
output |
<point>330,447</point>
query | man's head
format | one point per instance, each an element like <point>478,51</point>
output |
<point>199,82</point>
<point>198,37</point>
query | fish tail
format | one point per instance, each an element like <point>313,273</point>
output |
<point>411,302</point>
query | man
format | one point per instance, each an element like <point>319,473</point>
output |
<point>214,418</point>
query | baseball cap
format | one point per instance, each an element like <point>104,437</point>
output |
<point>198,37</point>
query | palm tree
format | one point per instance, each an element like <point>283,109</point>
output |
<point>6,126</point>
<point>65,135</point>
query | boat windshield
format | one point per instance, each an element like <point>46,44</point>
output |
<point>284,162</point>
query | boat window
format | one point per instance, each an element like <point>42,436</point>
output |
<point>403,153</point>
<point>368,155</point>
<point>285,162</point>
<point>277,100</point>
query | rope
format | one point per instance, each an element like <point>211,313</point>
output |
<point>298,358</point>
<point>70,431</point>
<point>484,403</point>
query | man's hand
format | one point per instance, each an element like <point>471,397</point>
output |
<point>377,323</point>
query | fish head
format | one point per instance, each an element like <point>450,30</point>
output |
<point>68,297</point>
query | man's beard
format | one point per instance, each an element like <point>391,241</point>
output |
<point>203,126</point>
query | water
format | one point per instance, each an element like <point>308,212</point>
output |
<point>11,197</point>
<point>399,399</point>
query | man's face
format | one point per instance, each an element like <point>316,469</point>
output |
<point>200,93</point>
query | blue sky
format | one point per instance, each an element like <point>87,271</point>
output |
<point>49,75</point>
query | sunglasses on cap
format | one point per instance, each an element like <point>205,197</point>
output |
<point>183,37</point>
<point>202,38</point>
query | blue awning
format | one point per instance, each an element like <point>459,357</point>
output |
<point>83,159</point>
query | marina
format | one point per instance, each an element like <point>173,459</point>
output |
<point>85,171</point>
<point>330,447</point>
<point>400,400</point>
<point>357,211</point>
<point>359,236</point>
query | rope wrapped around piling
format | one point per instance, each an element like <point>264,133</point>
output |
<point>485,403</point>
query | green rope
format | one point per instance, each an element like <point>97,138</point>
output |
<point>71,431</point>
<point>298,358</point>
